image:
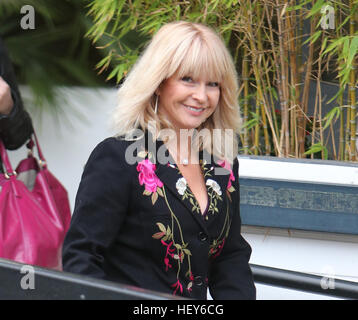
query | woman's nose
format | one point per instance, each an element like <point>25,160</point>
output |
<point>200,93</point>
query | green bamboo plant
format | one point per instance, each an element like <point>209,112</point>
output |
<point>281,49</point>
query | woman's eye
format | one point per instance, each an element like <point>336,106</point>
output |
<point>213,84</point>
<point>187,79</point>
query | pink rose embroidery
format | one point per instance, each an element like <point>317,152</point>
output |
<point>226,165</point>
<point>147,176</point>
<point>151,182</point>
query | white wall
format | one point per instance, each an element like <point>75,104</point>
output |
<point>67,144</point>
<point>319,253</point>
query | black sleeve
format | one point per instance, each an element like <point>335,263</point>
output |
<point>230,273</point>
<point>100,208</point>
<point>16,127</point>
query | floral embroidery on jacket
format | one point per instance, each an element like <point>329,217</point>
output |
<point>214,190</point>
<point>181,186</point>
<point>218,244</point>
<point>171,236</point>
<point>176,248</point>
<point>151,182</point>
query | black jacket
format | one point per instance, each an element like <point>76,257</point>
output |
<point>16,127</point>
<point>139,224</point>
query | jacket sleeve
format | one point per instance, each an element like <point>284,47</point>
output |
<point>230,274</point>
<point>16,127</point>
<point>100,208</point>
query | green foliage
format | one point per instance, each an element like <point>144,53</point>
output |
<point>119,20</point>
<point>266,38</point>
<point>55,52</point>
<point>316,148</point>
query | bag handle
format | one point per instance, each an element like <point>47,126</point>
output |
<point>30,145</point>
<point>8,171</point>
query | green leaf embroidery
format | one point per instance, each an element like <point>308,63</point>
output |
<point>160,192</point>
<point>154,197</point>
<point>161,227</point>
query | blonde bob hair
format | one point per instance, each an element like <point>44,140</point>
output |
<point>189,49</point>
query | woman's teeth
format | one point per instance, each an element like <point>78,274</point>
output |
<point>195,109</point>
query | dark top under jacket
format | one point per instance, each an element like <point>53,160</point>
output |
<point>139,224</point>
<point>16,127</point>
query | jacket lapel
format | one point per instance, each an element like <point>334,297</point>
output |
<point>216,180</point>
<point>173,181</point>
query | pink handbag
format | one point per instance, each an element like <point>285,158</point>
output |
<point>34,212</point>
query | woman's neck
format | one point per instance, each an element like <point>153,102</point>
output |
<point>180,147</point>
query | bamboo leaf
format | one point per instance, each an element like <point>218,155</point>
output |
<point>334,46</point>
<point>352,50</point>
<point>314,37</point>
<point>334,112</point>
<point>316,8</point>
<point>299,6</point>
<point>317,148</point>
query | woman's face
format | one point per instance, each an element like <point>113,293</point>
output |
<point>188,101</point>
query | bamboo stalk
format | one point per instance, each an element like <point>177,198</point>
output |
<point>347,136</point>
<point>262,83</point>
<point>319,93</point>
<point>341,130</point>
<point>314,121</point>
<point>285,134</point>
<point>341,146</point>
<point>271,110</point>
<point>245,79</point>
<point>260,95</point>
<point>276,65</point>
<point>352,92</point>
<point>302,122</point>
<point>257,129</point>
<point>333,142</point>
<point>295,92</point>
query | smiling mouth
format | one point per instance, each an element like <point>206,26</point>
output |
<point>194,109</point>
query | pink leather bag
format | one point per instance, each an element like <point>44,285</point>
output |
<point>34,212</point>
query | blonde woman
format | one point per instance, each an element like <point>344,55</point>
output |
<point>158,205</point>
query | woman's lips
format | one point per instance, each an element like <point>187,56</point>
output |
<point>194,110</point>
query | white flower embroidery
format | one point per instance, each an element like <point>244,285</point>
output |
<point>181,185</point>
<point>214,185</point>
